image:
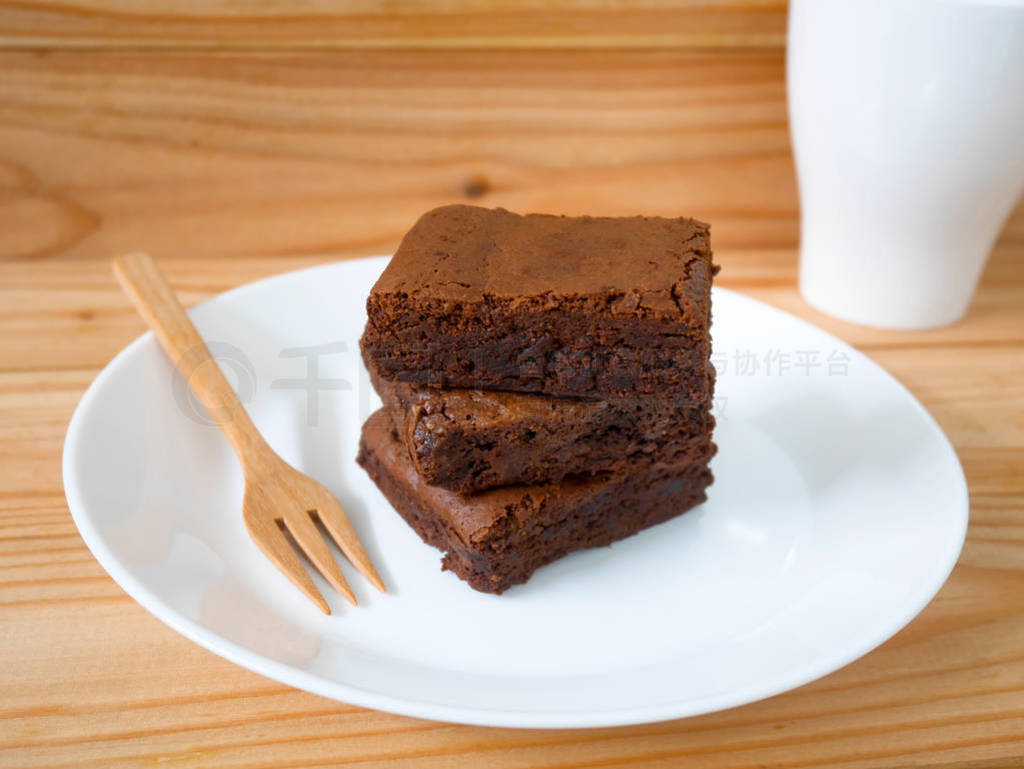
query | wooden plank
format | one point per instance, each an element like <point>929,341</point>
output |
<point>375,24</point>
<point>945,692</point>
<point>948,685</point>
<point>292,154</point>
<point>267,154</point>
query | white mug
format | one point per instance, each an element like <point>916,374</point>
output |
<point>907,119</point>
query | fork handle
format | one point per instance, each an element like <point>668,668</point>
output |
<point>143,282</point>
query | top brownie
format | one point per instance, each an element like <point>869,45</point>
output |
<point>583,306</point>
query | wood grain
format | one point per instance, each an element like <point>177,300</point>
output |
<point>268,154</point>
<point>233,166</point>
<point>280,154</point>
<point>947,691</point>
<point>277,495</point>
<point>371,24</point>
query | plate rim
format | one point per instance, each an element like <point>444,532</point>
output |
<point>422,708</point>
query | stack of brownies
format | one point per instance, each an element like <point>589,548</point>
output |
<point>546,383</point>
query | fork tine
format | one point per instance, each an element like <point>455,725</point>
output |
<point>307,536</point>
<point>275,547</point>
<point>333,517</point>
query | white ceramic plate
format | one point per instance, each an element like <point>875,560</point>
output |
<point>838,511</point>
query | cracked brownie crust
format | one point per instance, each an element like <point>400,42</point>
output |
<point>578,306</point>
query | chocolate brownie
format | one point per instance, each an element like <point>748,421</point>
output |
<point>580,306</point>
<point>469,440</point>
<point>498,538</point>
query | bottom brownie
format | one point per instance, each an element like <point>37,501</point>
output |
<point>470,440</point>
<point>498,538</point>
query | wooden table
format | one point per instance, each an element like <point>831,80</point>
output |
<point>238,146</point>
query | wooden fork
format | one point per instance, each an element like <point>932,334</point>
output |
<point>277,496</point>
